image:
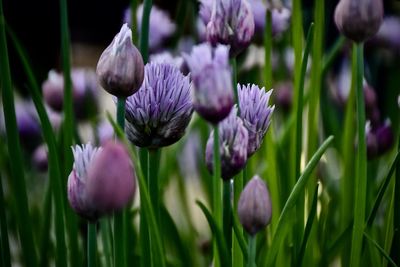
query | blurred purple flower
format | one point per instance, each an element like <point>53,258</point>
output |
<point>39,158</point>
<point>28,124</point>
<point>105,132</point>
<point>167,57</point>
<point>380,139</point>
<point>111,178</point>
<point>84,92</point>
<point>211,75</point>
<point>280,17</point>
<point>161,26</point>
<point>77,182</point>
<point>389,33</point>
<point>160,111</point>
<point>255,113</point>
<point>231,23</point>
<point>233,140</point>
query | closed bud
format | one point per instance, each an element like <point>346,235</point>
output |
<point>77,182</point>
<point>233,140</point>
<point>111,178</point>
<point>359,20</point>
<point>120,68</point>
<point>254,207</point>
<point>212,94</point>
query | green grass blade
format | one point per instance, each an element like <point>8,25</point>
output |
<point>309,224</point>
<point>382,190</point>
<point>14,149</point>
<point>381,250</point>
<point>159,257</point>
<point>298,189</point>
<point>224,258</point>
<point>239,236</point>
<point>144,32</point>
<point>361,167</point>
<point>395,245</point>
<point>46,225</point>
<point>54,167</point>
<point>4,245</point>
<point>334,247</point>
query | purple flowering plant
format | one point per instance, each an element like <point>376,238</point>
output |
<point>158,140</point>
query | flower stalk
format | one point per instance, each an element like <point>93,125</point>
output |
<point>92,244</point>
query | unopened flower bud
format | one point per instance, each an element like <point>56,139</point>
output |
<point>120,68</point>
<point>77,182</point>
<point>359,20</point>
<point>385,137</point>
<point>28,125</point>
<point>212,94</point>
<point>254,207</point>
<point>233,141</point>
<point>231,23</point>
<point>39,158</point>
<point>84,92</point>
<point>111,178</point>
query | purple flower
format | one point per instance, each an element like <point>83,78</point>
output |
<point>111,179</point>
<point>77,182</point>
<point>389,33</point>
<point>254,207</point>
<point>233,140</point>
<point>161,27</point>
<point>120,66</point>
<point>359,20</point>
<point>231,23</point>
<point>280,17</point>
<point>159,113</point>
<point>211,75</point>
<point>39,158</point>
<point>167,57</point>
<point>105,132</point>
<point>102,180</point>
<point>255,113</point>
<point>28,125</point>
<point>84,92</point>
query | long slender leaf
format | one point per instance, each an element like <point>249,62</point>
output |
<point>279,234</point>
<point>159,257</point>
<point>54,168</point>
<point>307,231</point>
<point>381,250</point>
<point>223,252</point>
<point>239,236</point>
<point>4,243</point>
<point>382,190</point>
<point>14,149</point>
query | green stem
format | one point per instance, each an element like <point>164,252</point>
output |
<point>144,33</point>
<point>252,251</point>
<point>227,212</point>
<point>106,237</point>
<point>268,50</point>
<point>5,247</point>
<point>394,253</point>
<point>91,244</point>
<point>133,21</point>
<point>119,216</point>
<point>144,231</point>
<point>217,188</point>
<point>361,171</point>
<point>45,234</point>
<point>237,251</point>
<point>14,150</point>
